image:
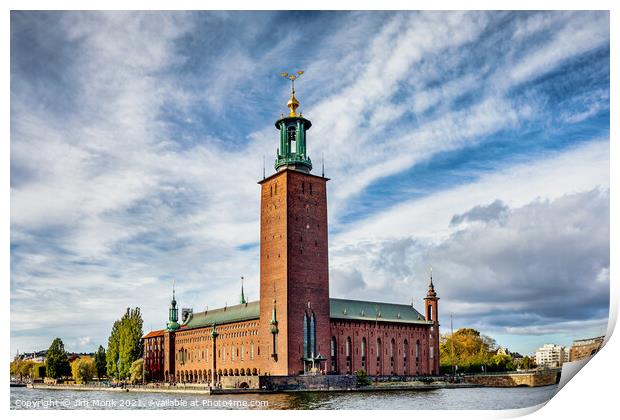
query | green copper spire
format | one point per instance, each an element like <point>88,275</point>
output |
<point>292,150</point>
<point>242,301</point>
<point>173,314</point>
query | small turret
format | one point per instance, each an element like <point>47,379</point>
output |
<point>430,301</point>
<point>173,314</point>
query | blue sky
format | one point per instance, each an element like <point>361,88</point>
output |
<point>477,143</point>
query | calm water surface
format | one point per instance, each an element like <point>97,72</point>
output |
<point>441,399</point>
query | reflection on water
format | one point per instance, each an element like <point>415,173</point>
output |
<point>440,399</point>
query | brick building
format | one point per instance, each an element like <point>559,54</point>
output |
<point>295,328</point>
<point>585,348</point>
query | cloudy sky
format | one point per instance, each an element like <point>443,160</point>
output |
<point>477,143</point>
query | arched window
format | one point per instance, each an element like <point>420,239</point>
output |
<point>348,354</point>
<point>333,354</point>
<point>364,353</point>
<point>379,354</point>
<point>242,351</point>
<point>417,357</point>
<point>305,327</point>
<point>252,350</point>
<point>292,137</point>
<point>312,336</point>
<point>405,354</point>
<point>429,312</point>
<point>392,357</point>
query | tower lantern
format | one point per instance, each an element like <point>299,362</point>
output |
<point>292,151</point>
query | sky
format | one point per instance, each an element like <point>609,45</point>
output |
<point>473,142</point>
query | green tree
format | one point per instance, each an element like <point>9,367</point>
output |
<point>56,363</point>
<point>527,363</point>
<point>100,362</point>
<point>362,378</point>
<point>466,348</point>
<point>26,369</point>
<point>15,367</point>
<point>501,363</point>
<point>124,344</point>
<point>112,354</point>
<point>136,371</point>
<point>83,369</point>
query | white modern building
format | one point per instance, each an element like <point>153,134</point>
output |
<point>551,355</point>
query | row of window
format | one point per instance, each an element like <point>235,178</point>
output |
<point>377,350</point>
<point>235,353</point>
<point>306,187</point>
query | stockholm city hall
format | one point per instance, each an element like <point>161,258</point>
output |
<point>295,328</point>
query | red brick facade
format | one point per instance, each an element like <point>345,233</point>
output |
<point>294,266</point>
<point>154,353</point>
<point>296,328</point>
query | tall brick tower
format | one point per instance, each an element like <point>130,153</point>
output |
<point>432,314</point>
<point>294,277</point>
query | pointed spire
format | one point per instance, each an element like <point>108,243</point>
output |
<point>431,288</point>
<point>431,284</point>
<point>243,301</point>
<point>173,312</point>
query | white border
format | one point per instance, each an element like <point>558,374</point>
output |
<point>589,394</point>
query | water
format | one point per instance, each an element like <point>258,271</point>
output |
<point>440,399</point>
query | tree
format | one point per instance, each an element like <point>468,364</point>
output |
<point>83,369</point>
<point>501,363</point>
<point>26,369</point>
<point>471,350</point>
<point>124,344</point>
<point>100,362</point>
<point>15,367</point>
<point>112,354</point>
<point>362,378</point>
<point>527,363</point>
<point>136,371</point>
<point>57,364</point>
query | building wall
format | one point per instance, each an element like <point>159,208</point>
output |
<point>273,272</point>
<point>550,355</point>
<point>154,353</point>
<point>585,348</point>
<point>294,266</point>
<point>236,352</point>
<point>308,265</point>
<point>394,354</point>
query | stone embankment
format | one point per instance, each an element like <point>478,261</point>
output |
<point>515,379</point>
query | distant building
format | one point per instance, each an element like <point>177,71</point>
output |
<point>585,348</point>
<point>551,356</point>
<point>37,356</point>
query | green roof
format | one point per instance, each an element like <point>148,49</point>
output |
<point>361,310</point>
<point>236,313</point>
<point>356,310</point>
